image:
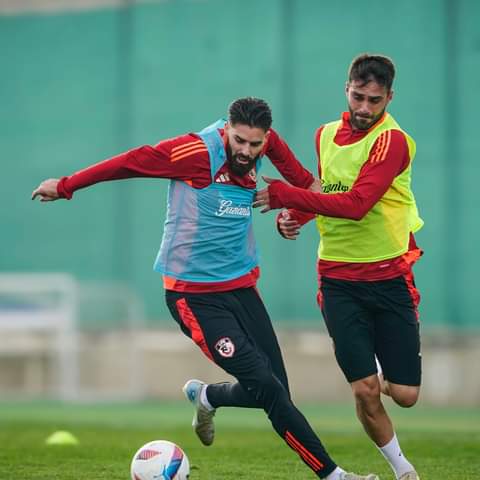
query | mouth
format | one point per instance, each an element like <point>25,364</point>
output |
<point>240,164</point>
<point>242,160</point>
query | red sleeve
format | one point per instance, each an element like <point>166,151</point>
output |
<point>388,158</point>
<point>285,161</point>
<point>180,158</point>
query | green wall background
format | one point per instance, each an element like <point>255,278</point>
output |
<point>79,87</point>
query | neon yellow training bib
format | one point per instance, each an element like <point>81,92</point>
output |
<point>384,231</point>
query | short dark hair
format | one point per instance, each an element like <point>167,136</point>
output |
<point>250,111</point>
<point>366,68</point>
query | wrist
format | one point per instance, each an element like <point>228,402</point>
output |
<point>62,190</point>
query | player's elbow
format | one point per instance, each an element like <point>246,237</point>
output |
<point>358,215</point>
<point>360,211</point>
<point>358,206</point>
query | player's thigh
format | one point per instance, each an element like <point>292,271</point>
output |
<point>350,325</point>
<point>212,321</point>
<point>258,325</point>
<point>397,336</point>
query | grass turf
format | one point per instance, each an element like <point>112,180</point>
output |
<point>443,443</point>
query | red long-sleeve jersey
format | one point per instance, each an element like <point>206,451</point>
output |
<point>388,158</point>
<point>186,158</point>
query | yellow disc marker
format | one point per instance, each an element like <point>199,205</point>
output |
<point>61,437</point>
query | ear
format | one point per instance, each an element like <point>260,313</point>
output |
<point>347,86</point>
<point>226,127</point>
<point>390,96</point>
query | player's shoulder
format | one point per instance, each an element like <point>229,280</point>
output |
<point>187,139</point>
<point>394,137</point>
<point>183,146</point>
<point>394,130</point>
<point>391,143</point>
<point>273,135</point>
<point>273,143</point>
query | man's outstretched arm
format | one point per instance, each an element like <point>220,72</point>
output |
<point>373,181</point>
<point>181,158</point>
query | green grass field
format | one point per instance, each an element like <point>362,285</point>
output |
<point>444,444</point>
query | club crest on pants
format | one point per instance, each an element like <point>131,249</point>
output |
<point>225,347</point>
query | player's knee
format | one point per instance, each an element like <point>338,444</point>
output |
<point>405,396</point>
<point>266,388</point>
<point>366,391</point>
<point>269,382</point>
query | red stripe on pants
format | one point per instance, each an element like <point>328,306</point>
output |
<point>308,457</point>
<point>319,293</point>
<point>191,322</point>
<point>414,294</point>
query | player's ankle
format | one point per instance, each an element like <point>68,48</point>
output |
<point>336,474</point>
<point>204,399</point>
<point>394,456</point>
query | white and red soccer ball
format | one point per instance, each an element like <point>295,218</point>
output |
<point>160,460</point>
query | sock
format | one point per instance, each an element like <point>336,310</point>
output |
<point>379,367</point>
<point>394,456</point>
<point>336,474</point>
<point>204,400</point>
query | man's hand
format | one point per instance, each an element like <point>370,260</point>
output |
<point>316,186</point>
<point>289,228</point>
<point>262,199</point>
<point>47,190</point>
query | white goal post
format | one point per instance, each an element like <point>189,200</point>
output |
<point>43,303</point>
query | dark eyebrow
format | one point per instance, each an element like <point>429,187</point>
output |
<point>377,97</point>
<point>241,139</point>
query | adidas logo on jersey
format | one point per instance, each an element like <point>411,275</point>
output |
<point>223,178</point>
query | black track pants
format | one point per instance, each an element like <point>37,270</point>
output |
<point>234,330</point>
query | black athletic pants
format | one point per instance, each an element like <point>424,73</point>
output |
<point>234,330</point>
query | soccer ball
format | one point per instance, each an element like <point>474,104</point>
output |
<point>160,460</point>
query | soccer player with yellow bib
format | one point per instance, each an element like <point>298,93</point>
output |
<point>366,216</point>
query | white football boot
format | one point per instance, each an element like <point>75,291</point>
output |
<point>203,418</point>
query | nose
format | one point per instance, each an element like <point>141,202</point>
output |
<point>246,150</point>
<point>365,108</point>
